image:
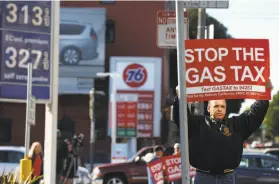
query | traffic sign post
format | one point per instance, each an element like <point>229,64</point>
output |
<point>166,28</point>
<point>28,120</point>
<point>25,163</point>
<point>181,68</point>
<point>32,110</point>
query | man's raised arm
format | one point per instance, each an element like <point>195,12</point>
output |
<point>249,121</point>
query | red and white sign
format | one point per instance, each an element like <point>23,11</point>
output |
<point>172,165</point>
<point>155,168</point>
<point>140,76</point>
<point>127,115</point>
<point>192,172</point>
<point>135,75</point>
<point>227,69</point>
<point>166,28</point>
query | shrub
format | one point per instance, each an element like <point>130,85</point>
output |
<point>12,178</point>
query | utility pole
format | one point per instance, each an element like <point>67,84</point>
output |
<point>92,127</point>
<point>201,27</point>
<point>92,94</point>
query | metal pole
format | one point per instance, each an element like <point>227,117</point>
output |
<point>114,106</point>
<point>211,31</point>
<point>28,95</point>
<point>181,68</point>
<point>50,143</point>
<point>92,126</point>
<point>201,35</point>
<point>201,23</point>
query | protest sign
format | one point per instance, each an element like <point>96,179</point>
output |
<point>172,165</point>
<point>227,69</point>
<point>155,168</point>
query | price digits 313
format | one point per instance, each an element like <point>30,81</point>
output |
<point>19,58</point>
<point>39,16</point>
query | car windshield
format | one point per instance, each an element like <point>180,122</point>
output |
<point>140,153</point>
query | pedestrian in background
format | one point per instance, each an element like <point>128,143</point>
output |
<point>216,141</point>
<point>61,155</point>
<point>36,156</point>
<point>71,165</point>
<point>177,151</point>
<point>158,154</point>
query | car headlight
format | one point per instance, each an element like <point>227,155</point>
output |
<point>96,171</point>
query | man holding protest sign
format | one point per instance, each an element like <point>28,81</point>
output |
<point>177,151</point>
<point>154,167</point>
<point>219,70</point>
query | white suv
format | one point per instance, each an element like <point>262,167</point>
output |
<point>10,157</point>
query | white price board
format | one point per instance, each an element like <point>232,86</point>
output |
<point>31,116</point>
<point>166,28</point>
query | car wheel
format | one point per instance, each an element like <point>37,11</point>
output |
<point>115,180</point>
<point>70,56</point>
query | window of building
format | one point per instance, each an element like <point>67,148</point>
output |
<point>5,130</point>
<point>110,31</point>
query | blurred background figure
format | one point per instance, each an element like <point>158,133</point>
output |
<point>177,149</point>
<point>61,155</point>
<point>36,155</point>
<point>71,165</point>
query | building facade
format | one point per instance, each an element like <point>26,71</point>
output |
<point>131,30</point>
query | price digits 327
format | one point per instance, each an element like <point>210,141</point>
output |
<point>19,58</point>
<point>37,18</point>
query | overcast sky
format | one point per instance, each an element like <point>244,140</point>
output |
<point>254,19</point>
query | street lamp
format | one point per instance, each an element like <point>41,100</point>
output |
<point>114,76</point>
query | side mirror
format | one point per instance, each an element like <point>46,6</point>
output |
<point>137,159</point>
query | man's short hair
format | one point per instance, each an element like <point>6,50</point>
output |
<point>177,145</point>
<point>210,101</point>
<point>158,148</point>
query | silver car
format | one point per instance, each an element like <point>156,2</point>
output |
<point>78,41</point>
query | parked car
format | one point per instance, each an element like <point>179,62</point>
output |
<point>78,41</point>
<point>100,158</point>
<point>10,157</point>
<point>272,151</point>
<point>133,171</point>
<point>257,168</point>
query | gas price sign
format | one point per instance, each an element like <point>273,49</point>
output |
<point>25,34</point>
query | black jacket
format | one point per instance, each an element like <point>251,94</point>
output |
<point>216,150</point>
<point>61,154</point>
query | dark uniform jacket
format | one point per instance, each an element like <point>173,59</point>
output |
<point>216,146</point>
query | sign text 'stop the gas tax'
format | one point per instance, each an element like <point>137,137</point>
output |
<point>221,54</point>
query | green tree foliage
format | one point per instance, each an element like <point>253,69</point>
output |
<point>271,120</point>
